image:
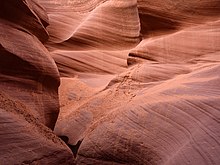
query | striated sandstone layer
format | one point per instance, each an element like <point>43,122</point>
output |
<point>28,73</point>
<point>139,82</point>
<point>25,140</point>
<point>29,81</point>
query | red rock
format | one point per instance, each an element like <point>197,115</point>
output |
<point>139,82</point>
<point>25,140</point>
<point>29,82</point>
<point>28,73</point>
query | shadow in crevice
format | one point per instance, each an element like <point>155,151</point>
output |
<point>74,148</point>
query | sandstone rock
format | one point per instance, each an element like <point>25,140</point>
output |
<point>139,82</point>
<point>163,108</point>
<point>161,17</point>
<point>28,73</point>
<point>24,140</point>
<point>184,46</point>
<point>29,81</point>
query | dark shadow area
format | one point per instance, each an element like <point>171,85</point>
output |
<point>155,24</point>
<point>74,148</point>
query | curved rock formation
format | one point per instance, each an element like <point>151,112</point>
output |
<point>24,140</point>
<point>29,81</point>
<point>195,42</point>
<point>159,16</point>
<point>103,27</point>
<point>28,73</point>
<point>111,25</point>
<point>163,108</point>
<point>139,82</point>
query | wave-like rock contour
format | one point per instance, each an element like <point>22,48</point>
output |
<point>138,82</point>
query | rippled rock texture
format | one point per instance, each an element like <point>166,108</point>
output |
<point>29,81</point>
<point>119,81</point>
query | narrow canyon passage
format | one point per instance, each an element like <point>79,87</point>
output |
<point>109,82</point>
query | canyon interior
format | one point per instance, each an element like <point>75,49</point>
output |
<point>110,82</point>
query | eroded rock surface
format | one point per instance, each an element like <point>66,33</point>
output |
<point>139,81</point>
<point>29,81</point>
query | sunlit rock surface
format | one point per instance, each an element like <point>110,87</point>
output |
<point>138,82</point>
